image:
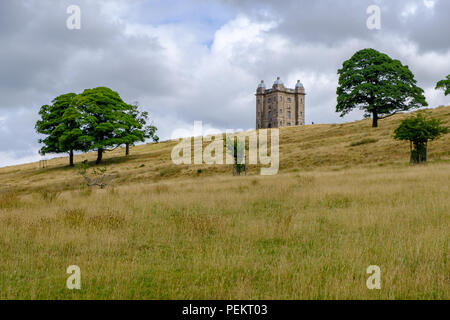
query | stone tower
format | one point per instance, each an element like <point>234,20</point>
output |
<point>279,106</point>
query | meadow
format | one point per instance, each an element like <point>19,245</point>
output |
<point>345,198</point>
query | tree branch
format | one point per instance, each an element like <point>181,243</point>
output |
<point>112,149</point>
<point>390,115</point>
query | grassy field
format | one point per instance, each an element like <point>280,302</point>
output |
<point>345,198</point>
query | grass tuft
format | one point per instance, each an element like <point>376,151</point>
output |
<point>363,141</point>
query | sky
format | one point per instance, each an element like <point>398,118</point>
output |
<point>201,60</point>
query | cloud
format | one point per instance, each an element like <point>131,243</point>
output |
<point>201,60</point>
<point>410,10</point>
<point>429,3</point>
<point>334,21</point>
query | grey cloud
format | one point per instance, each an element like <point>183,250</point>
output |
<point>176,76</point>
<point>43,57</point>
<point>334,21</point>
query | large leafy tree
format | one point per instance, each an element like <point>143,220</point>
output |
<point>106,122</point>
<point>418,130</point>
<point>444,85</point>
<point>61,123</point>
<point>377,84</point>
<point>140,132</point>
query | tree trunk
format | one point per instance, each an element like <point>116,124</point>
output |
<point>127,149</point>
<point>375,120</point>
<point>99,156</point>
<point>411,160</point>
<point>71,158</point>
<point>419,152</point>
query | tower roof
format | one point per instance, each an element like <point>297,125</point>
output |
<point>299,84</point>
<point>278,82</point>
<point>262,85</point>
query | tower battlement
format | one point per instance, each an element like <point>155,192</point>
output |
<point>280,106</point>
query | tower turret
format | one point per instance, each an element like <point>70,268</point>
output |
<point>261,87</point>
<point>299,103</point>
<point>299,87</point>
<point>278,84</point>
<point>260,102</point>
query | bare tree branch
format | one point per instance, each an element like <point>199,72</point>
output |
<point>390,115</point>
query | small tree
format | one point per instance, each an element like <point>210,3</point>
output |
<point>236,149</point>
<point>377,84</point>
<point>418,130</point>
<point>444,85</point>
<point>61,123</point>
<point>140,131</point>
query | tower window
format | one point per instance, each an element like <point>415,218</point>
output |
<point>288,114</point>
<point>270,115</point>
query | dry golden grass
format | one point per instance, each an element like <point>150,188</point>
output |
<point>163,232</point>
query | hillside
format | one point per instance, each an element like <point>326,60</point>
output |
<point>166,232</point>
<point>304,148</point>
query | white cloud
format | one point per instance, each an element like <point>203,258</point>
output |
<point>9,158</point>
<point>183,70</point>
<point>409,10</point>
<point>429,3</point>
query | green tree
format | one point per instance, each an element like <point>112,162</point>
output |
<point>444,85</point>
<point>106,123</point>
<point>377,84</point>
<point>140,132</point>
<point>236,148</point>
<point>418,130</point>
<point>61,122</point>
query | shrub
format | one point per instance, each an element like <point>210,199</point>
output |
<point>418,130</point>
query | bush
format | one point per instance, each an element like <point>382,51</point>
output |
<point>418,130</point>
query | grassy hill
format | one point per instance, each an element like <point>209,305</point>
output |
<point>304,148</point>
<point>345,198</point>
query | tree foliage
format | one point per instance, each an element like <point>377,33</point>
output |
<point>377,84</point>
<point>419,130</point>
<point>96,119</point>
<point>236,148</point>
<point>106,120</point>
<point>142,131</point>
<point>444,85</point>
<point>61,122</point>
